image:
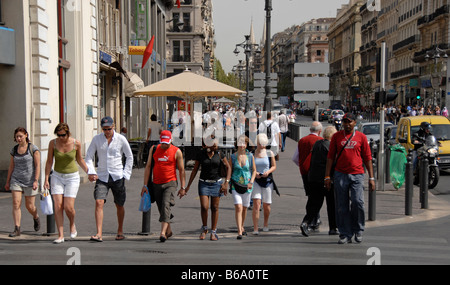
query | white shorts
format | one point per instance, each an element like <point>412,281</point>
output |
<point>65,184</point>
<point>243,199</point>
<point>264,193</point>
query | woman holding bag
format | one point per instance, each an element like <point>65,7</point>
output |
<point>243,173</point>
<point>22,180</point>
<point>66,152</point>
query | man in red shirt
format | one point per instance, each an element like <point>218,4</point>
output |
<point>305,146</point>
<point>166,158</point>
<point>350,151</point>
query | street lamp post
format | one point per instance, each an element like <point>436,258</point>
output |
<point>435,78</point>
<point>268,99</point>
<point>248,48</point>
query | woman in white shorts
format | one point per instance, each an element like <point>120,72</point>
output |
<point>243,172</point>
<point>263,187</point>
<point>22,180</point>
<point>65,180</point>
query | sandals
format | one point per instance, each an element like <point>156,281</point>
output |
<point>204,232</point>
<point>96,238</point>
<point>214,235</point>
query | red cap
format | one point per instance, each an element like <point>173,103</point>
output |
<point>165,137</point>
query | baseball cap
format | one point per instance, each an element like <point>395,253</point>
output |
<point>349,116</point>
<point>107,122</point>
<point>165,137</point>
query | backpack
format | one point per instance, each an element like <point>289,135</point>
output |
<point>269,132</point>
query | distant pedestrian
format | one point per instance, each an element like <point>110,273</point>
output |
<point>350,152</point>
<point>242,179</point>
<point>262,190</point>
<point>111,173</point>
<point>167,158</point>
<point>283,122</point>
<point>23,176</point>
<point>65,182</point>
<point>445,112</point>
<point>318,191</point>
<point>272,130</point>
<point>305,146</point>
<point>210,185</point>
<point>154,130</point>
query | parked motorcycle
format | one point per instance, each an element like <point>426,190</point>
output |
<point>429,151</point>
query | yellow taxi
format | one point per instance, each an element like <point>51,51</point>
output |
<point>407,126</point>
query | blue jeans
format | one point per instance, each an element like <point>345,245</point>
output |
<point>349,196</point>
<point>283,140</point>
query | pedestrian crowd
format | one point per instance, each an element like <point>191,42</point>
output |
<point>331,168</point>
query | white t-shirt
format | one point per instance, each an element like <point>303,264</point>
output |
<point>275,129</point>
<point>155,127</point>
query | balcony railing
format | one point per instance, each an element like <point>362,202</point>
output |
<point>406,42</point>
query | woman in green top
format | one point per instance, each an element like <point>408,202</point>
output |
<point>66,152</point>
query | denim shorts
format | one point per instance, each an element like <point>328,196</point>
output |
<point>211,189</point>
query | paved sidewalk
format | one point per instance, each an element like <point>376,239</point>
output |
<point>287,210</point>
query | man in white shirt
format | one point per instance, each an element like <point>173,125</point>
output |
<point>111,173</point>
<point>273,134</point>
<point>283,122</point>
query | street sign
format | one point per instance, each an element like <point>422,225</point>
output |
<point>311,84</point>
<point>311,97</point>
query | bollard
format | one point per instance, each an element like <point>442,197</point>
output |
<point>51,224</point>
<point>408,185</point>
<point>146,217</point>
<point>424,183</point>
<point>372,205</point>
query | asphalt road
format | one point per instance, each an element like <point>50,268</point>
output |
<point>393,238</point>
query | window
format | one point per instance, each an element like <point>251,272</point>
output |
<point>187,51</point>
<point>64,65</point>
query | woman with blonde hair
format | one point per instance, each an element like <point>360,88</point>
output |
<point>262,190</point>
<point>65,182</point>
<point>243,172</point>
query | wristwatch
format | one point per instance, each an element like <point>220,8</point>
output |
<point>227,181</point>
<point>183,188</point>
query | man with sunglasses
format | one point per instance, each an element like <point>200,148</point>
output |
<point>351,152</point>
<point>111,173</point>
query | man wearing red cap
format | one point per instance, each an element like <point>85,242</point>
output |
<point>349,152</point>
<point>166,159</point>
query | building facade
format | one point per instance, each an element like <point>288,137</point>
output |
<point>71,64</point>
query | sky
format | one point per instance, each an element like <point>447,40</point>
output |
<point>232,20</point>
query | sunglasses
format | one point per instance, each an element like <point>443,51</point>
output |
<point>107,129</point>
<point>61,135</point>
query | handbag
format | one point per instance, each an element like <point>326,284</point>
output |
<point>295,157</point>
<point>46,202</point>
<point>223,170</point>
<point>238,187</point>
<point>146,203</point>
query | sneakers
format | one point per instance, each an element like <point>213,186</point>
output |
<point>37,224</point>
<point>16,232</point>
<point>358,238</point>
<point>305,229</point>
<point>344,240</point>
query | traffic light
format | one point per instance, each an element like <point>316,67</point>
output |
<point>390,96</point>
<point>382,97</point>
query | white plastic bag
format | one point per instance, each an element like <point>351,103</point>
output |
<point>46,202</point>
<point>295,157</point>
